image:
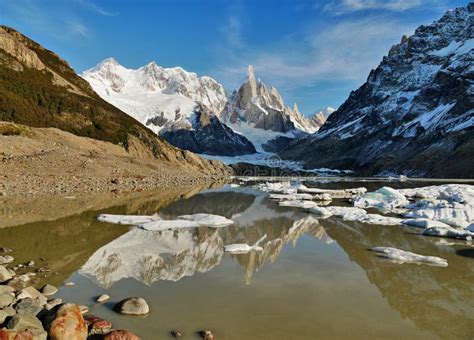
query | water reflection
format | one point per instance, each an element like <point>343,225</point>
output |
<point>171,255</point>
<point>436,299</point>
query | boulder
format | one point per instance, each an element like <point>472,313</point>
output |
<point>6,259</point>
<point>132,306</point>
<point>97,325</point>
<point>6,299</point>
<point>65,322</point>
<point>28,306</point>
<point>27,323</point>
<point>5,275</point>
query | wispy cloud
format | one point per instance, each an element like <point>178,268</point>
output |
<point>346,51</point>
<point>232,32</point>
<point>339,7</point>
<point>77,27</point>
<point>92,6</point>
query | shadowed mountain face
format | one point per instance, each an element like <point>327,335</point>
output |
<point>435,299</point>
<point>415,113</point>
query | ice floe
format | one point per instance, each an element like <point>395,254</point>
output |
<point>424,223</point>
<point>127,219</point>
<point>402,256</point>
<point>188,221</point>
<point>298,204</point>
<point>320,211</point>
<point>448,232</point>
<point>373,219</point>
<point>291,197</point>
<point>385,198</point>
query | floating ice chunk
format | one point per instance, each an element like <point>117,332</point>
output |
<point>402,256</point>
<point>320,211</point>
<point>424,223</point>
<point>187,221</point>
<point>455,214</point>
<point>384,198</point>
<point>168,225</point>
<point>323,197</point>
<point>345,212</point>
<point>278,187</point>
<point>373,219</point>
<point>448,232</point>
<point>291,197</point>
<point>127,219</point>
<point>241,248</point>
<point>207,220</point>
<point>333,193</point>
<point>298,204</point>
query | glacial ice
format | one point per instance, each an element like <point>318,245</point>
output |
<point>448,232</point>
<point>127,219</point>
<point>320,211</point>
<point>188,221</point>
<point>298,204</point>
<point>373,219</point>
<point>424,223</point>
<point>384,198</point>
<point>402,256</point>
<point>291,197</point>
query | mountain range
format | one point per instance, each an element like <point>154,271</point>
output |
<point>194,113</point>
<point>414,114</point>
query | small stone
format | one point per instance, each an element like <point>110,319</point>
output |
<point>206,335</point>
<point>17,284</point>
<point>6,259</point>
<point>49,290</point>
<point>5,250</point>
<point>97,325</point>
<point>30,263</point>
<point>102,298</point>
<point>65,322</point>
<point>28,306</point>
<point>121,335</point>
<point>42,300</point>
<point>84,309</point>
<point>177,334</point>
<point>53,303</point>
<point>28,292</point>
<point>132,306</point>
<point>4,274</point>
<point>69,284</point>
<point>6,299</point>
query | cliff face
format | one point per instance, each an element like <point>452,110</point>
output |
<point>415,113</point>
<point>39,89</point>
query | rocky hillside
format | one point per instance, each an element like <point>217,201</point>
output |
<point>171,102</point>
<point>39,89</point>
<point>415,113</point>
<point>260,114</point>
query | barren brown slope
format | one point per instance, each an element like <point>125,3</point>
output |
<point>49,161</point>
<point>39,89</point>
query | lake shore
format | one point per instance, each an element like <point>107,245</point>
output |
<point>50,161</point>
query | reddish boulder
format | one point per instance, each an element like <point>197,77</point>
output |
<point>16,335</point>
<point>65,322</point>
<point>97,325</point>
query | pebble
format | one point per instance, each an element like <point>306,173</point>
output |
<point>176,333</point>
<point>102,298</point>
<point>132,306</point>
<point>30,263</point>
<point>5,250</point>
<point>53,303</point>
<point>83,309</point>
<point>69,284</point>
<point>206,335</point>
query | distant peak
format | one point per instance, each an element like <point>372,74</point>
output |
<point>109,61</point>
<point>250,72</point>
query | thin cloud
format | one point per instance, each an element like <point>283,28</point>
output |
<point>346,6</point>
<point>90,5</point>
<point>232,32</point>
<point>77,28</point>
<point>346,51</point>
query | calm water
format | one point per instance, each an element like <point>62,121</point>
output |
<point>315,279</point>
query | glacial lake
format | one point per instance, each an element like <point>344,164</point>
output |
<point>314,279</point>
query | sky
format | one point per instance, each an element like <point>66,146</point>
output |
<point>314,51</point>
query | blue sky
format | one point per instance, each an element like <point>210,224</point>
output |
<point>314,52</point>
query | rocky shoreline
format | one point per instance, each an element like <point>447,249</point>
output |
<point>27,313</point>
